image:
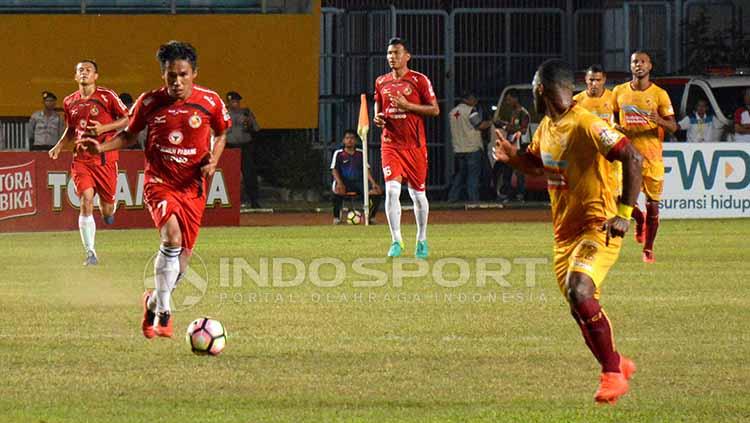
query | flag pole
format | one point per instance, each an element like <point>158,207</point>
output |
<point>363,127</point>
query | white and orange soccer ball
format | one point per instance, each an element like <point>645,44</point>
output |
<point>206,336</point>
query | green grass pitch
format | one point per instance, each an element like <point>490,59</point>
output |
<point>71,348</point>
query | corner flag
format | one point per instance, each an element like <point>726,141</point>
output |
<point>363,127</point>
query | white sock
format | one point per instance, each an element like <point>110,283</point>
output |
<point>166,269</point>
<point>87,227</point>
<point>393,208</point>
<point>421,211</point>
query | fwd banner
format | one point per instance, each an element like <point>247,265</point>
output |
<point>38,194</point>
<point>706,180</point>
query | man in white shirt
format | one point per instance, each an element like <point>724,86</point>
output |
<point>742,120</point>
<point>701,125</point>
<point>466,135</point>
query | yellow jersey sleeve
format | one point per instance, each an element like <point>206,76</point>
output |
<point>664,104</point>
<point>604,137</point>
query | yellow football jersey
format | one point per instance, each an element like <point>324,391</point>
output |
<point>574,151</point>
<point>633,108</point>
<point>604,107</point>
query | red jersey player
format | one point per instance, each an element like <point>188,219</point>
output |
<point>97,112</point>
<point>180,118</point>
<point>402,98</point>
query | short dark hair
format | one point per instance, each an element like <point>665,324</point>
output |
<point>596,69</point>
<point>513,93</point>
<point>351,131</point>
<point>556,72</point>
<point>642,52</point>
<point>396,41</point>
<point>96,67</point>
<point>177,50</point>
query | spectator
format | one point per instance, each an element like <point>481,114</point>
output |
<point>701,125</point>
<point>466,126</point>
<point>240,135</point>
<point>346,167</point>
<point>45,126</point>
<point>517,123</point>
<point>742,119</point>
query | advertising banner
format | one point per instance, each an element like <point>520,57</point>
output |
<point>38,194</point>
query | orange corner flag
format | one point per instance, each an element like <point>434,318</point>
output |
<point>364,119</point>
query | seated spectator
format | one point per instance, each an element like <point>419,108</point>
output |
<point>742,119</point>
<point>346,167</point>
<point>45,126</point>
<point>701,125</point>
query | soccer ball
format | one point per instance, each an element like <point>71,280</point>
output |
<point>354,217</point>
<point>206,336</point>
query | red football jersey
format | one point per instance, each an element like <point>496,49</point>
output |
<point>103,106</point>
<point>403,129</point>
<point>179,134</point>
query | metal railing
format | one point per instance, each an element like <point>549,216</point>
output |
<point>14,133</point>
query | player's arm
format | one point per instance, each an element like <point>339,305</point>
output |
<point>667,122</point>
<point>632,165</point>
<point>65,143</point>
<point>507,152</point>
<point>430,110</point>
<point>95,128</point>
<point>122,140</point>
<point>220,141</point>
<point>374,187</point>
<point>340,187</point>
<point>379,119</point>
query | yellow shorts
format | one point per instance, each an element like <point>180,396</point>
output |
<point>586,254</point>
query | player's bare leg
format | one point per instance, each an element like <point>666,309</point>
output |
<point>393,213</point>
<point>108,211</point>
<point>652,226</point>
<point>87,226</point>
<point>166,269</point>
<point>421,212</point>
<point>597,333</point>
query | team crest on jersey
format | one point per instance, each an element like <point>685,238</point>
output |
<point>94,111</point>
<point>195,121</point>
<point>407,91</point>
<point>175,137</point>
<point>82,123</point>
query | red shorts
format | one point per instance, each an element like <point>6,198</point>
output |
<point>163,202</point>
<point>102,178</point>
<point>408,163</point>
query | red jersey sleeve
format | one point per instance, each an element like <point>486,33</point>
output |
<point>117,108</point>
<point>138,117</point>
<point>66,112</point>
<point>376,95</point>
<point>426,93</point>
<point>220,118</point>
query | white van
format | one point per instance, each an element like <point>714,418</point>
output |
<point>724,95</point>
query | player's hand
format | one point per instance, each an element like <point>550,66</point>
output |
<point>376,190</point>
<point>379,120</point>
<point>400,101</point>
<point>208,169</point>
<point>89,145</point>
<point>503,149</point>
<point>655,118</point>
<point>615,227</point>
<point>54,152</point>
<point>94,128</point>
<point>340,189</point>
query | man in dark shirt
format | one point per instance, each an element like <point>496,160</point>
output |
<point>346,167</point>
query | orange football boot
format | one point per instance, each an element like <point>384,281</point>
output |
<point>648,256</point>
<point>147,324</point>
<point>611,387</point>
<point>627,367</point>
<point>164,327</point>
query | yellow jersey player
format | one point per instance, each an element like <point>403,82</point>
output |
<point>600,101</point>
<point>645,111</point>
<point>573,148</point>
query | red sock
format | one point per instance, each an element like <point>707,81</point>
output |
<point>652,224</point>
<point>639,218</point>
<point>586,336</point>
<point>600,333</point>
